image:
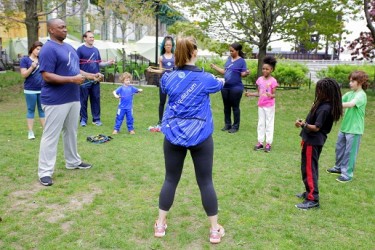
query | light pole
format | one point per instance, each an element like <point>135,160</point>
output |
<point>156,2</point>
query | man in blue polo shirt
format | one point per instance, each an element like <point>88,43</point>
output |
<point>59,66</point>
<point>90,61</point>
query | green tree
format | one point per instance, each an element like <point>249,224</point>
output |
<point>204,41</point>
<point>30,13</point>
<point>363,47</point>
<point>257,22</point>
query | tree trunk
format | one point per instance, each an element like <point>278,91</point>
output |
<point>114,29</point>
<point>369,25</point>
<point>32,22</point>
<point>63,12</point>
<point>261,54</point>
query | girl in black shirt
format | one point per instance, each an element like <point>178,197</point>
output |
<point>327,108</point>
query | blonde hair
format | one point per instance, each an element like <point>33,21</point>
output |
<point>184,50</point>
<point>126,75</point>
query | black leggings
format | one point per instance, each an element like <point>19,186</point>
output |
<point>202,155</point>
<point>231,100</point>
<point>162,100</point>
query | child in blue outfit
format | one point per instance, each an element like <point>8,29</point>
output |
<point>125,107</point>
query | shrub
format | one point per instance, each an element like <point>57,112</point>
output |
<point>341,72</point>
<point>287,73</point>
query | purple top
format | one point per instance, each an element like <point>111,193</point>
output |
<point>60,59</point>
<point>34,80</point>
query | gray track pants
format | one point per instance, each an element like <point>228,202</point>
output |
<point>59,118</point>
<point>347,147</point>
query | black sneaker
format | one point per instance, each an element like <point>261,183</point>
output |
<point>81,166</point>
<point>343,179</point>
<point>46,181</point>
<point>226,128</point>
<point>333,171</point>
<point>301,195</point>
<point>307,204</point>
<point>232,130</point>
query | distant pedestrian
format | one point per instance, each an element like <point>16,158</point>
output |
<point>266,104</point>
<point>326,109</point>
<point>90,61</point>
<point>352,127</point>
<point>29,66</point>
<point>125,107</point>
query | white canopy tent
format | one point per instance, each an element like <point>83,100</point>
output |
<point>146,47</point>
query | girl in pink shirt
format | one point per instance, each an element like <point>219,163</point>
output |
<point>266,104</point>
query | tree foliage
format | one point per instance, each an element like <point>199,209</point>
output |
<point>363,47</point>
<point>259,22</point>
<point>124,12</point>
<point>31,13</point>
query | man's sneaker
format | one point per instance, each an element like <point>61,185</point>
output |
<point>115,132</point>
<point>159,230</point>
<point>81,166</point>
<point>31,135</point>
<point>307,204</point>
<point>267,149</point>
<point>333,171</point>
<point>343,179</point>
<point>259,146</point>
<point>233,130</point>
<point>132,132</point>
<point>46,181</point>
<point>226,128</point>
<point>216,234</point>
<point>301,195</point>
<point>83,124</point>
<point>98,123</point>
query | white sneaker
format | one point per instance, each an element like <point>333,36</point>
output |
<point>31,135</point>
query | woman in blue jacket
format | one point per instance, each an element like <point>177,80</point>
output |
<point>188,125</point>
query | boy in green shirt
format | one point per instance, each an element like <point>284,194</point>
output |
<point>352,127</point>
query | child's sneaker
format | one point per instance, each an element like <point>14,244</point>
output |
<point>267,149</point>
<point>216,234</point>
<point>334,171</point>
<point>259,146</point>
<point>159,230</point>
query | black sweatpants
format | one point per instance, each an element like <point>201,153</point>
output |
<point>310,169</point>
<point>202,155</point>
<point>231,100</point>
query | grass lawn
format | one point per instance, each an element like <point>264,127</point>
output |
<point>114,204</point>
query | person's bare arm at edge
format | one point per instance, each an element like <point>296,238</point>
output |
<point>160,70</point>
<point>53,78</point>
<point>217,68</point>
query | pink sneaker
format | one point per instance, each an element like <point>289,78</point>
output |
<point>216,234</point>
<point>159,230</point>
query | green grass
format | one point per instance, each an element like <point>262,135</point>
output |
<point>114,204</point>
